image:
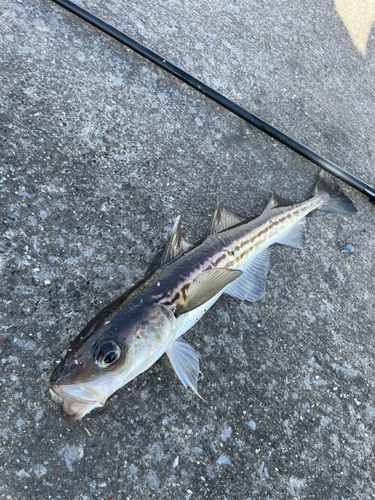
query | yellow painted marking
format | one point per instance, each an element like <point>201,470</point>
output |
<point>358,17</point>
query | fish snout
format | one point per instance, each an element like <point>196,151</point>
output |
<point>70,371</point>
<point>75,403</point>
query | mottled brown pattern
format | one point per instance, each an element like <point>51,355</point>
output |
<point>229,258</point>
<point>217,261</point>
<point>184,289</point>
<point>174,299</point>
<point>261,236</point>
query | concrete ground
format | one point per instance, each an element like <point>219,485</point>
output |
<point>100,152</point>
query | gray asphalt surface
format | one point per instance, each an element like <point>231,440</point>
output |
<point>100,152</point>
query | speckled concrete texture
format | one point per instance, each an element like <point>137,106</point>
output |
<point>100,151</point>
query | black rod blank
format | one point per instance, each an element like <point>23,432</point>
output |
<point>218,98</point>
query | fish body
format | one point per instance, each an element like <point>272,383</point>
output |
<point>137,328</point>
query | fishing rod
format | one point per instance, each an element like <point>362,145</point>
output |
<point>219,98</point>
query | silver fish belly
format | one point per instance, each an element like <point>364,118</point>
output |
<point>137,328</point>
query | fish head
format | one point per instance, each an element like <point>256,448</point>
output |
<point>107,354</point>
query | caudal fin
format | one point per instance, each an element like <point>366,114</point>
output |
<point>338,202</point>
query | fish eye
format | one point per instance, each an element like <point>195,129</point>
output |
<point>107,354</point>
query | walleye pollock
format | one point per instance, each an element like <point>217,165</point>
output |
<point>131,333</point>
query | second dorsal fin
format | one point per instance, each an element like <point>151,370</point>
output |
<point>278,201</point>
<point>175,246</point>
<point>222,219</point>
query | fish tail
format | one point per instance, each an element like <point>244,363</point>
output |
<point>337,202</point>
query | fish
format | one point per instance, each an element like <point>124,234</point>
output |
<point>182,282</point>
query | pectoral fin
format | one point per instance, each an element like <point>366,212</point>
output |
<point>206,286</point>
<point>185,363</point>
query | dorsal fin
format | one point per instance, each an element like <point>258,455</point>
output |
<point>277,201</point>
<point>155,263</point>
<point>175,246</point>
<point>222,219</point>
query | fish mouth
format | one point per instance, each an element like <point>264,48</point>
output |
<point>74,407</point>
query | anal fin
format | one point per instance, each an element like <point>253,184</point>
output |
<point>251,285</point>
<point>296,236</point>
<point>185,363</point>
